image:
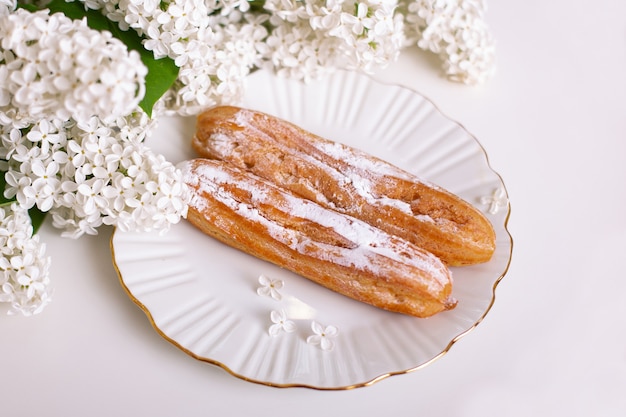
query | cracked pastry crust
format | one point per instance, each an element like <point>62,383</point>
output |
<point>337,251</point>
<point>347,180</point>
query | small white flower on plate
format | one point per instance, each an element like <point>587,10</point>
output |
<point>496,200</point>
<point>323,336</point>
<point>270,287</point>
<point>281,323</point>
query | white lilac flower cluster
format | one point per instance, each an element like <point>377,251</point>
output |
<point>85,170</point>
<point>24,279</point>
<point>312,37</point>
<point>214,43</point>
<point>72,140</point>
<point>299,39</point>
<point>52,66</point>
<point>456,30</point>
<point>87,174</point>
<point>217,43</point>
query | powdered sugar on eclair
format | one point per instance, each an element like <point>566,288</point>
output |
<point>347,180</point>
<point>364,247</point>
<point>351,165</point>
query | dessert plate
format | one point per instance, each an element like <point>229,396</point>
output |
<point>270,326</point>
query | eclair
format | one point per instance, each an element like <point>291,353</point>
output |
<point>335,250</point>
<point>347,180</point>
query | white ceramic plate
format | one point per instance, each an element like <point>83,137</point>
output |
<point>202,296</point>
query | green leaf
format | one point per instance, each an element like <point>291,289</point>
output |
<point>161,72</point>
<point>36,218</point>
<point>29,7</point>
<point>161,75</point>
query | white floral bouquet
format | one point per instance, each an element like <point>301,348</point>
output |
<point>83,83</point>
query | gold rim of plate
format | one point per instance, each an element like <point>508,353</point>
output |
<point>382,376</point>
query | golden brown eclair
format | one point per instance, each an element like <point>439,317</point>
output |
<point>347,180</point>
<point>337,251</point>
